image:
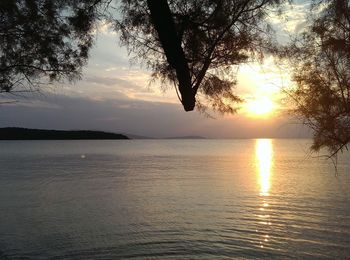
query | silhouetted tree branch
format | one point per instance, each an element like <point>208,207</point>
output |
<point>44,39</point>
<point>194,44</point>
<point>321,71</point>
<point>171,43</point>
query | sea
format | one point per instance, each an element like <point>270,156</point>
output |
<point>173,199</point>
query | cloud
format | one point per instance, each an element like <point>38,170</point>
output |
<point>115,96</point>
<point>117,83</point>
<point>155,119</point>
<point>289,19</point>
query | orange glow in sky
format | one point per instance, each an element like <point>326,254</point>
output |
<point>261,85</point>
<point>260,106</point>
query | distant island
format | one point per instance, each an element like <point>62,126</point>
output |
<point>132,136</point>
<point>17,133</point>
<point>186,137</point>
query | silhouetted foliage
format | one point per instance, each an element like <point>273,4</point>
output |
<point>191,44</point>
<point>196,45</point>
<point>321,71</point>
<point>44,38</point>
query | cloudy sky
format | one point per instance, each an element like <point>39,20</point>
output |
<point>116,96</point>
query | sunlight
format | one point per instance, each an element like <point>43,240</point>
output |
<point>261,85</point>
<point>263,163</point>
<point>264,160</point>
<point>261,106</point>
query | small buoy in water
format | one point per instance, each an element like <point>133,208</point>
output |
<point>82,156</point>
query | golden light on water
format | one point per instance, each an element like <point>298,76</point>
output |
<point>264,160</point>
<point>264,163</point>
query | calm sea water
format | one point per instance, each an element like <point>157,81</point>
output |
<point>171,199</point>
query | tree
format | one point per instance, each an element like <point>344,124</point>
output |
<point>195,44</point>
<point>44,38</point>
<point>191,44</point>
<point>321,62</point>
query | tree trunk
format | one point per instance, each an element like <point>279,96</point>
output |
<point>164,24</point>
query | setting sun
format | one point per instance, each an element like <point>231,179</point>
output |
<point>260,106</point>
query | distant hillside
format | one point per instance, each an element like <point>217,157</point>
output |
<point>131,136</point>
<point>187,137</point>
<point>16,133</point>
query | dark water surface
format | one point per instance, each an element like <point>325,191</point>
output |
<point>176,199</point>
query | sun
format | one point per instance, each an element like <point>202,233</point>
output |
<point>261,106</point>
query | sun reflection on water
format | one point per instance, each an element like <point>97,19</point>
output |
<point>263,155</point>
<point>264,162</point>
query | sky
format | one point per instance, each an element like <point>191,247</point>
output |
<point>115,95</point>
